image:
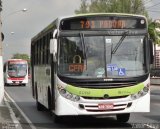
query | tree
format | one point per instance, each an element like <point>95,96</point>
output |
<point>112,6</point>
<point>21,56</point>
<point>83,7</point>
<point>154,31</point>
<point>120,6</point>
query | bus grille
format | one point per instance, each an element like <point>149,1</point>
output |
<point>102,98</point>
<point>102,83</point>
<point>95,108</point>
<point>19,82</point>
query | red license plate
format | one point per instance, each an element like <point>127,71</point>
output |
<point>105,106</point>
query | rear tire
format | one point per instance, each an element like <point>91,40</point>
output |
<point>58,119</point>
<point>49,100</point>
<point>123,117</point>
<point>40,107</point>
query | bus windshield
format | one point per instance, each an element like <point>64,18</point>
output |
<point>17,70</point>
<point>93,56</point>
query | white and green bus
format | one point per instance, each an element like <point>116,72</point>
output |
<point>92,64</point>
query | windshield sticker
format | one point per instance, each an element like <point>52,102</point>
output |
<point>77,67</point>
<point>121,71</point>
<point>100,72</point>
<point>112,67</point>
<point>108,40</point>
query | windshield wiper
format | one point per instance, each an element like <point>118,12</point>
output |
<point>120,42</point>
<point>83,45</point>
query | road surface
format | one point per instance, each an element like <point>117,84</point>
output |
<point>22,96</point>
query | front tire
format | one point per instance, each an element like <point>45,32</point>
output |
<point>24,85</point>
<point>123,117</point>
<point>58,119</point>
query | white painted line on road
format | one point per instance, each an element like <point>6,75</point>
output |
<point>152,126</point>
<point>13,117</point>
<point>22,113</point>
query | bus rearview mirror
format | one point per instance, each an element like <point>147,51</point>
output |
<point>55,34</point>
<point>53,48</point>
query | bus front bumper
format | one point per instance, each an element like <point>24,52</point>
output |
<point>91,107</point>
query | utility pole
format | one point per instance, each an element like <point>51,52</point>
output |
<point>0,28</point>
<point>1,60</point>
<point>1,52</point>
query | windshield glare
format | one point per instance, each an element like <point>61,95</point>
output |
<point>17,70</point>
<point>93,57</point>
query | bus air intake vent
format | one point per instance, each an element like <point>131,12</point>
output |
<point>102,98</point>
<point>95,107</point>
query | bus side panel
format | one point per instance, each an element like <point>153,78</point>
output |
<point>43,80</point>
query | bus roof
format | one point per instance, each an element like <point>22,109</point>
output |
<point>56,22</point>
<point>16,60</point>
<point>107,14</point>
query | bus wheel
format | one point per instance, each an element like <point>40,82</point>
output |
<point>49,100</point>
<point>24,85</point>
<point>40,107</point>
<point>123,117</point>
<point>58,119</point>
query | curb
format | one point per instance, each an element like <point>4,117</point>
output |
<point>6,121</point>
<point>19,118</point>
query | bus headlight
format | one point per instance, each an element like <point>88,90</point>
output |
<point>146,89</point>
<point>141,93</point>
<point>76,98</point>
<point>68,95</point>
<point>62,91</point>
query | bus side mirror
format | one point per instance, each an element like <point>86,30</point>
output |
<point>53,45</point>
<point>151,51</point>
<point>53,48</point>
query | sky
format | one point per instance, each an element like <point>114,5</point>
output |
<point>19,27</point>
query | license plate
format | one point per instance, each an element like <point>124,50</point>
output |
<point>105,106</point>
<point>17,82</point>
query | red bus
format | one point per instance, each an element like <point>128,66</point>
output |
<point>16,72</point>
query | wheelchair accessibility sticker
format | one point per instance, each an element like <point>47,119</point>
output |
<point>121,71</point>
<point>112,69</point>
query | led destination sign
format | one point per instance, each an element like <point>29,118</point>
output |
<point>102,22</point>
<point>92,24</point>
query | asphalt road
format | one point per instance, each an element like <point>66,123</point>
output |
<point>23,98</point>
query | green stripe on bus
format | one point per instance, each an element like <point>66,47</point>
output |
<point>88,92</point>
